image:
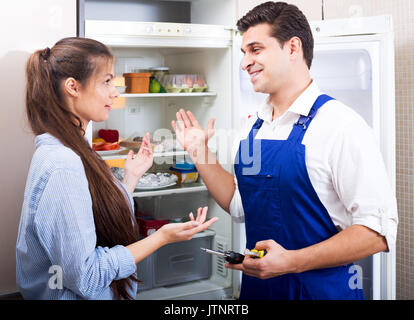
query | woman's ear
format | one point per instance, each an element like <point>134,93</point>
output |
<point>71,87</point>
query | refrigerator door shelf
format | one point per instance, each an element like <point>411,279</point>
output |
<point>348,68</point>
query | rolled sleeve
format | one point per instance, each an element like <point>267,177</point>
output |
<point>382,220</point>
<point>362,183</point>
<point>124,261</point>
<point>236,205</point>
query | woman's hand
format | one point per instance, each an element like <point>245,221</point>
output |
<point>174,232</point>
<point>191,135</point>
<point>135,167</point>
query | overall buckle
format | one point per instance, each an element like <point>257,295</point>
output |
<point>303,120</point>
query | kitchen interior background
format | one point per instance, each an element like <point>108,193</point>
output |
<point>402,11</point>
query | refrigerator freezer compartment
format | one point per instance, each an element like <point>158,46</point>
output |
<point>158,34</point>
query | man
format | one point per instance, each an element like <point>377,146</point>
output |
<point>316,195</point>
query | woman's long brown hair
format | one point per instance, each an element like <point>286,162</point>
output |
<point>46,71</point>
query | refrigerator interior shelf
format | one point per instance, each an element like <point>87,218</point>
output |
<point>165,95</point>
<point>178,188</point>
<point>205,233</point>
<point>156,155</point>
<point>200,289</point>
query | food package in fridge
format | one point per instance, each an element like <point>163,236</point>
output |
<point>156,180</point>
<point>109,135</point>
<point>175,83</point>
<point>137,82</point>
<point>148,225</point>
<point>185,176</point>
<point>158,72</point>
<point>134,142</point>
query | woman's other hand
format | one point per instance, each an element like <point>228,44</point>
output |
<point>135,167</point>
<point>174,232</point>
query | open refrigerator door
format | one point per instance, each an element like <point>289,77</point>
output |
<point>354,63</point>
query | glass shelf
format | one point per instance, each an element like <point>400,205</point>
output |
<point>165,95</point>
<point>178,188</point>
<point>123,154</point>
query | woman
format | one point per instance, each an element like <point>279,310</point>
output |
<point>78,235</point>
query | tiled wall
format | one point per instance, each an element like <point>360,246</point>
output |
<point>403,17</point>
<point>312,9</point>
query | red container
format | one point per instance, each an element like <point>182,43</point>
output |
<point>146,226</point>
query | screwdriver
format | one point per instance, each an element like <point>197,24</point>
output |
<point>234,257</point>
<point>256,253</point>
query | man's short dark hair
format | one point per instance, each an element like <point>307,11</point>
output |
<point>286,20</point>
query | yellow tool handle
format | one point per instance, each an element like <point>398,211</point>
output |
<point>260,252</point>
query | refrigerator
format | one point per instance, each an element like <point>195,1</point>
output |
<point>354,61</point>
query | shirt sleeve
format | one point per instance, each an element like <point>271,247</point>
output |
<point>236,205</point>
<point>65,226</point>
<point>361,181</point>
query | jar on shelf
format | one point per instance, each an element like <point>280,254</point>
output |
<point>158,72</point>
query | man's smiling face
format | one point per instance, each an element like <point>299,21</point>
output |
<point>264,59</point>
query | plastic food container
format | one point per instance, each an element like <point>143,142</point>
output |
<point>137,82</point>
<point>183,83</point>
<point>144,274</point>
<point>185,176</point>
<point>183,165</point>
<point>182,262</point>
<point>159,71</point>
<point>175,263</point>
<point>148,226</point>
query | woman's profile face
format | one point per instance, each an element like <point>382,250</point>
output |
<point>97,95</point>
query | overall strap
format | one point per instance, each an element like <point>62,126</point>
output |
<point>247,144</point>
<point>255,128</point>
<point>300,127</point>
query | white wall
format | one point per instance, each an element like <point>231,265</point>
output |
<point>26,26</point>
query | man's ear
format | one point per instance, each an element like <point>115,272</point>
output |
<point>71,87</point>
<point>295,47</point>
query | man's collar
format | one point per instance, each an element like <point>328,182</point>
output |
<point>300,106</point>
